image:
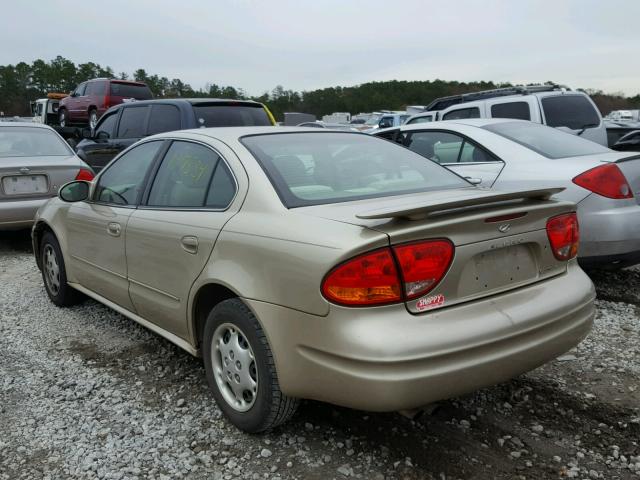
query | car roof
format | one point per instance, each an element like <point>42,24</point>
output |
<point>182,101</point>
<point>231,134</point>
<point>472,122</point>
<point>25,124</point>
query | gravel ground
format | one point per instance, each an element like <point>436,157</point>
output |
<point>86,393</point>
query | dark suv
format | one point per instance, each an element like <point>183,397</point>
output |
<point>125,124</point>
<point>88,102</point>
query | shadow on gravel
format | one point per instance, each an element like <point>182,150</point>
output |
<point>617,285</point>
<point>15,242</point>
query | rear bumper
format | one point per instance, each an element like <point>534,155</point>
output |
<point>609,233</point>
<point>18,214</point>
<point>385,359</point>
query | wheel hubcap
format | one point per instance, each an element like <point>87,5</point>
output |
<point>234,367</point>
<point>51,270</point>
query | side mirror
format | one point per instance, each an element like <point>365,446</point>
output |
<point>102,135</point>
<point>86,133</point>
<point>75,191</point>
<point>473,181</point>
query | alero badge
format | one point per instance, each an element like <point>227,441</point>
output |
<point>431,301</point>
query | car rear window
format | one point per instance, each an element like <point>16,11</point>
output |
<point>571,111</point>
<point>546,141</point>
<point>131,90</point>
<point>230,115</point>
<point>31,142</point>
<point>329,167</point>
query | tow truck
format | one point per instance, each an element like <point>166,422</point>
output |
<point>45,110</point>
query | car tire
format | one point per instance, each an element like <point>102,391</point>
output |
<point>93,119</point>
<point>54,273</point>
<point>245,357</point>
<point>63,120</point>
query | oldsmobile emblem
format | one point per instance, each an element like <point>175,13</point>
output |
<point>504,228</point>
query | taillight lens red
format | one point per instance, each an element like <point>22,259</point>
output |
<point>423,264</point>
<point>606,180</point>
<point>373,278</point>
<point>84,174</point>
<point>369,279</point>
<point>564,235</point>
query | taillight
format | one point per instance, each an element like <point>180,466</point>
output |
<point>606,180</point>
<point>84,174</point>
<point>374,279</point>
<point>369,279</point>
<point>423,264</point>
<point>564,235</point>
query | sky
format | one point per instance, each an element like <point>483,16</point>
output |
<point>304,45</point>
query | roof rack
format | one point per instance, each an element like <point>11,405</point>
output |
<point>445,102</point>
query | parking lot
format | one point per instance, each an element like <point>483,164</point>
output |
<point>86,393</point>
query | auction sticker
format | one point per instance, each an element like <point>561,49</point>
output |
<point>430,302</point>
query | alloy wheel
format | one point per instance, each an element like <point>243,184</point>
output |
<point>52,269</point>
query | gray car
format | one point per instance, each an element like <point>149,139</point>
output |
<point>516,154</point>
<point>34,162</point>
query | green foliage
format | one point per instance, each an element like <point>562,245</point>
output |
<point>22,83</point>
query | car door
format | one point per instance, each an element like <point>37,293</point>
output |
<point>96,228</point>
<point>457,153</point>
<point>74,104</point>
<point>104,147</point>
<point>171,236</point>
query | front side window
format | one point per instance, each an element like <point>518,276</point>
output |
<point>572,111</point>
<point>132,122</point>
<point>328,167</point>
<point>163,118</point>
<point>462,113</point>
<point>386,122</point>
<point>121,183</point>
<point>546,141</point>
<point>447,148</point>
<point>191,175</point>
<point>79,91</point>
<point>31,142</point>
<point>515,110</point>
<point>107,125</point>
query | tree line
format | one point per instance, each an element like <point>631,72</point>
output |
<point>22,83</point>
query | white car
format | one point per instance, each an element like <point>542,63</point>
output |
<point>516,154</point>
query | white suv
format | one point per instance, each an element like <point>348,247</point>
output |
<point>552,105</point>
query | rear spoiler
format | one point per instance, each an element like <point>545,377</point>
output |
<point>423,208</point>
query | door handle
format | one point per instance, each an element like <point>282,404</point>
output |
<point>114,229</point>
<point>189,244</point>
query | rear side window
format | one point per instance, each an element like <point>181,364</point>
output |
<point>188,176</point>
<point>447,148</point>
<point>130,90</point>
<point>546,141</point>
<point>107,124</point>
<point>121,182</point>
<point>461,113</point>
<point>95,88</point>
<point>132,122</point>
<point>163,118</point>
<point>230,115</point>
<point>571,111</point>
<point>516,110</point>
<point>329,167</point>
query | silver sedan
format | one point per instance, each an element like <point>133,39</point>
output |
<point>515,154</point>
<point>34,162</point>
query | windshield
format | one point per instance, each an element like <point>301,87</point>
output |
<point>31,142</point>
<point>547,141</point>
<point>230,115</point>
<point>331,167</point>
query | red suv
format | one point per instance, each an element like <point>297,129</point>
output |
<point>92,98</point>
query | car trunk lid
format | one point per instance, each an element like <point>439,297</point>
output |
<point>35,177</point>
<point>500,238</point>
